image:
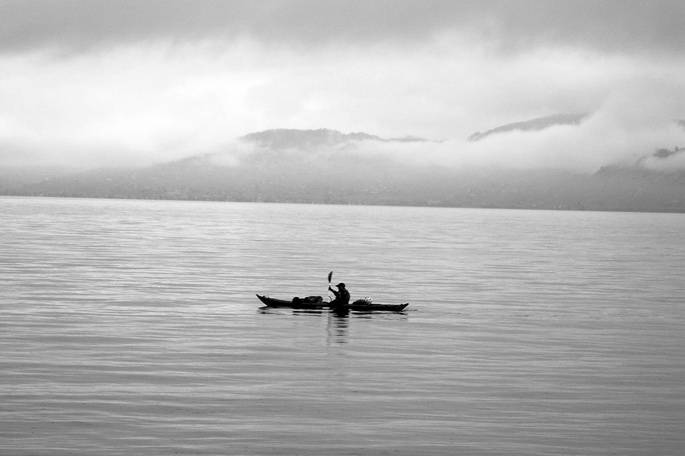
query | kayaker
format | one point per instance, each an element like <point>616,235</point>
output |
<point>342,296</point>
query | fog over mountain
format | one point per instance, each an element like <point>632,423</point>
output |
<point>327,166</point>
<point>539,123</point>
<point>168,91</point>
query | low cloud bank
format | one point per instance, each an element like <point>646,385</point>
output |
<point>158,102</point>
<point>632,123</point>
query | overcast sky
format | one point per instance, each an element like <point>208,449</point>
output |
<point>133,82</point>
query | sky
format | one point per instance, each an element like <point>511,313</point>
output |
<point>127,82</point>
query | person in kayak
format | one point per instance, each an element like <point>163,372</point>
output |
<point>342,296</point>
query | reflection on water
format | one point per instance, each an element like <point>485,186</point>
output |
<point>338,321</point>
<point>338,326</point>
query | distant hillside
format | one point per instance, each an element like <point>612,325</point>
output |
<point>662,154</point>
<point>15,177</point>
<point>539,123</point>
<point>326,166</point>
<point>289,138</point>
<point>363,183</point>
<point>661,165</point>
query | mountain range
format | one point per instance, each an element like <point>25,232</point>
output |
<point>328,166</point>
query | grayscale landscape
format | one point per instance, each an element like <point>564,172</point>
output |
<point>326,227</point>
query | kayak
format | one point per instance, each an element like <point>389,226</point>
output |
<point>305,304</point>
<point>372,307</point>
<point>293,303</point>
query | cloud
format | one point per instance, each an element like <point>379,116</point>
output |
<point>129,106</point>
<point>94,83</point>
<point>633,122</point>
<point>138,105</point>
<point>622,26</point>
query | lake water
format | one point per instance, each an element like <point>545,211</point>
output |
<point>132,328</point>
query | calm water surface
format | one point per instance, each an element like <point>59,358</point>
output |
<point>131,328</point>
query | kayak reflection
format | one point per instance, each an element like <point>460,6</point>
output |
<point>338,327</point>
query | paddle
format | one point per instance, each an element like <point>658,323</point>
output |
<point>330,276</point>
